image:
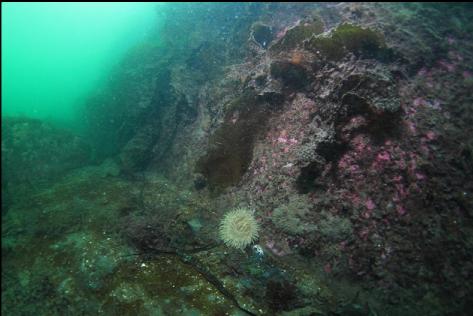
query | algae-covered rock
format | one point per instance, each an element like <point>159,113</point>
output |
<point>376,89</point>
<point>296,35</point>
<point>358,40</point>
<point>291,217</point>
<point>347,38</point>
<point>327,47</point>
<point>231,146</point>
<point>335,228</point>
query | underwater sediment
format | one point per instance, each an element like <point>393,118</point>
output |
<point>345,128</point>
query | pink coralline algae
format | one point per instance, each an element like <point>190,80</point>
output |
<point>381,160</point>
<point>400,210</point>
<point>397,179</point>
<point>363,234</point>
<point>354,168</point>
<point>360,144</point>
<point>370,204</point>
<point>431,135</point>
<point>418,101</point>
<point>354,123</point>
<point>423,72</point>
<point>401,192</point>
<point>383,156</point>
<point>420,176</point>
<point>411,127</point>
<point>271,245</point>
<point>234,118</point>
<point>281,33</point>
<point>346,161</point>
<point>446,65</point>
<point>353,198</point>
<point>282,140</point>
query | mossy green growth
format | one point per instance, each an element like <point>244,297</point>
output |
<point>296,35</point>
<point>231,146</point>
<point>327,47</point>
<point>348,38</point>
<point>357,39</point>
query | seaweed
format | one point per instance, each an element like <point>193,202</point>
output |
<point>231,146</point>
<point>347,38</point>
<point>296,35</point>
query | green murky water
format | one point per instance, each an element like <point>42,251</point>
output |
<point>55,54</point>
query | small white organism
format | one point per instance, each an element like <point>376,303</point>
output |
<point>258,250</point>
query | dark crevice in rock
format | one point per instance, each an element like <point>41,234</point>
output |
<point>292,75</point>
<point>307,180</point>
<point>262,34</point>
<point>312,177</point>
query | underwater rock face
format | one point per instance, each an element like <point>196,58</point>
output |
<point>346,127</point>
<point>348,139</point>
<point>35,153</point>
